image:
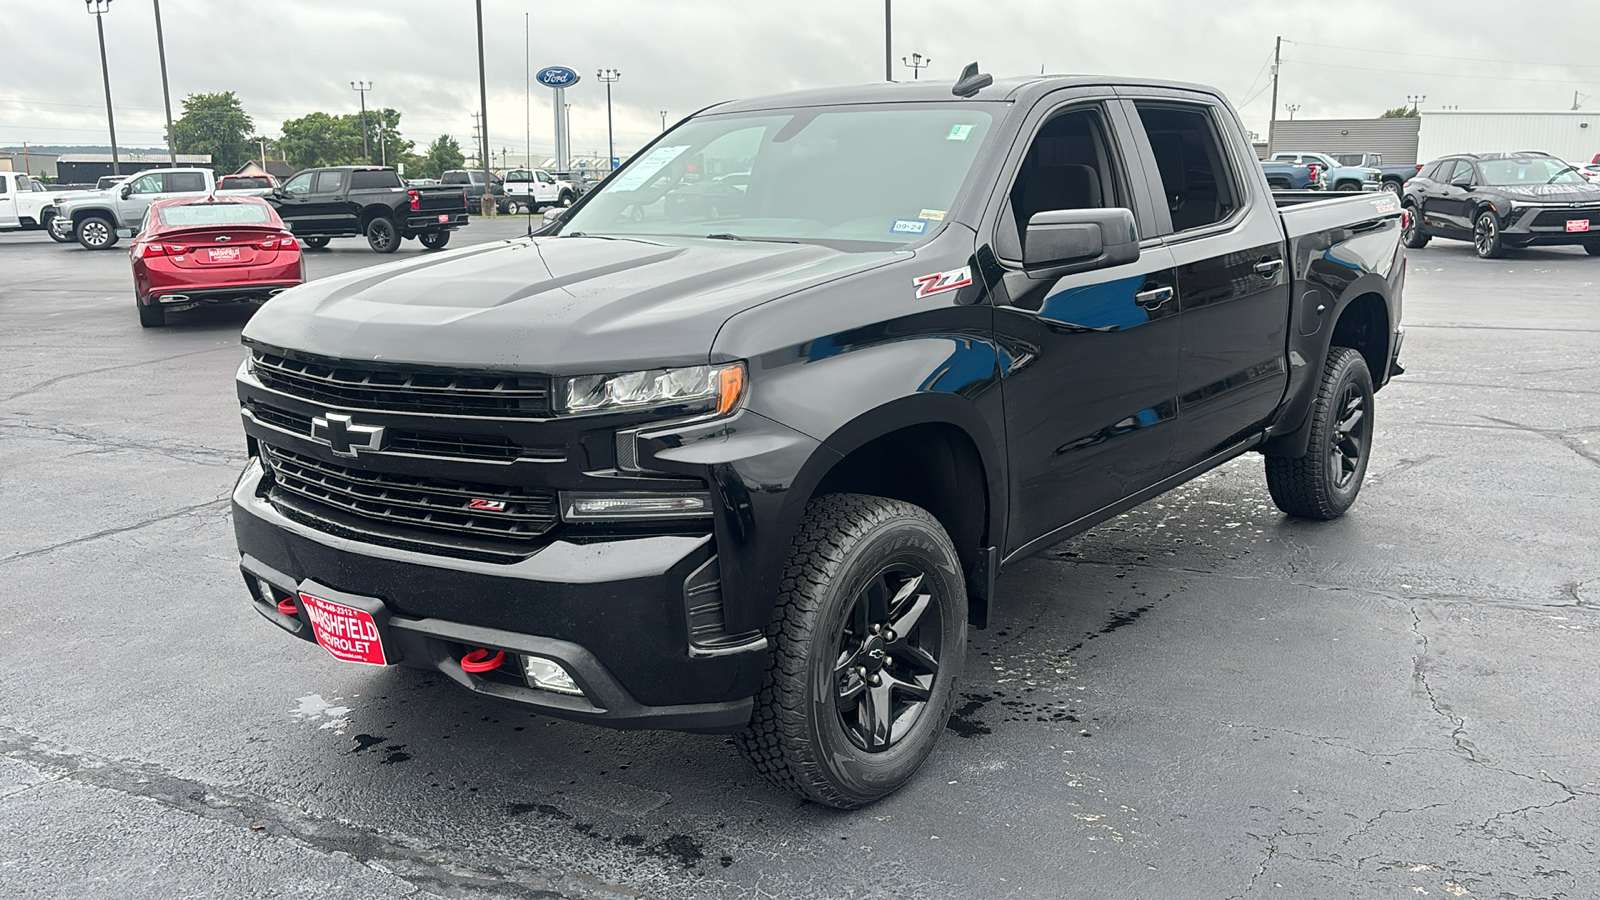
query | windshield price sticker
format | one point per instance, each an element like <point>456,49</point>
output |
<point>645,169</point>
<point>908,226</point>
<point>959,132</point>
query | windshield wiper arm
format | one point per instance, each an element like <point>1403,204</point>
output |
<point>727,236</point>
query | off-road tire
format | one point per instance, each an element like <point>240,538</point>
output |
<point>1487,241</point>
<point>95,233</point>
<point>1306,486</point>
<point>153,315</point>
<point>382,236</point>
<point>434,240</point>
<point>314,243</point>
<point>1415,237</point>
<point>795,737</point>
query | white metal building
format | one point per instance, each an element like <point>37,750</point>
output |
<point>1572,135</point>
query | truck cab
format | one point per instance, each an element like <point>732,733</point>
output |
<point>93,219</point>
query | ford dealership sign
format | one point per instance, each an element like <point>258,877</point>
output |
<point>557,77</point>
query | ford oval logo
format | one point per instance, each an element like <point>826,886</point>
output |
<point>557,77</point>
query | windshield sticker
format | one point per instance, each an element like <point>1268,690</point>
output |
<point>908,226</point>
<point>645,169</point>
<point>939,282</point>
<point>959,132</point>
<point>936,215</point>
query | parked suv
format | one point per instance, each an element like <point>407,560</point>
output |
<point>1503,201</point>
<point>755,469</point>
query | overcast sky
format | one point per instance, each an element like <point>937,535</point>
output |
<point>288,57</point>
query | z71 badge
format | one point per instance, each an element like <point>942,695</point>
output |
<point>939,282</point>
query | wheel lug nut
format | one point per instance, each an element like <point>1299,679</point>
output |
<point>888,634</point>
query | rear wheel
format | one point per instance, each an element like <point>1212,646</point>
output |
<point>382,236</point>
<point>1324,482</point>
<point>95,233</point>
<point>1592,249</point>
<point>1415,237</point>
<point>566,198</point>
<point>152,314</point>
<point>868,639</point>
<point>434,240</point>
<point>1486,236</point>
<point>1394,187</point>
<point>315,243</point>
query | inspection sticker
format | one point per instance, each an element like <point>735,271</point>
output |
<point>936,215</point>
<point>908,226</point>
<point>959,133</point>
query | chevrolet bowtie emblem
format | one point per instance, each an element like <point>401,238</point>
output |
<point>336,430</point>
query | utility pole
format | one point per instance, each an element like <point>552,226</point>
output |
<point>98,8</point>
<point>483,103</point>
<point>610,76</point>
<point>1272,126</point>
<point>166,94</point>
<point>477,137</point>
<point>1292,108</point>
<point>888,44</point>
<point>363,87</point>
<point>916,64</point>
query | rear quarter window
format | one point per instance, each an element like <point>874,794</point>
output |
<point>360,180</point>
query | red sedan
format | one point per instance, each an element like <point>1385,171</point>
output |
<point>200,251</point>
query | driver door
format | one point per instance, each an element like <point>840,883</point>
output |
<point>293,205</point>
<point>1449,207</point>
<point>136,196</point>
<point>8,202</point>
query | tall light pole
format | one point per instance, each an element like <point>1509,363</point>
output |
<point>483,105</point>
<point>916,64</point>
<point>98,8</point>
<point>610,76</point>
<point>363,87</point>
<point>664,116</point>
<point>1415,100</point>
<point>1292,108</point>
<point>166,94</point>
<point>888,41</point>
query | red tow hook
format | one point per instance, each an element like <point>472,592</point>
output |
<point>287,607</point>
<point>479,660</point>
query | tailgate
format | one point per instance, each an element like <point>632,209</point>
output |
<point>442,199</point>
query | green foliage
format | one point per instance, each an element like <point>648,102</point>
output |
<point>443,154</point>
<point>1400,112</point>
<point>215,124</point>
<point>383,128</point>
<point>318,139</point>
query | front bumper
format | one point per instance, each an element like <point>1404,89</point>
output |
<point>1546,226</point>
<point>612,612</point>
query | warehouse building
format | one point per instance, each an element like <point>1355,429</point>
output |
<point>1572,135</point>
<point>87,168</point>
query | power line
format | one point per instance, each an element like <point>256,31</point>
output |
<point>1514,62</point>
<point>1303,62</point>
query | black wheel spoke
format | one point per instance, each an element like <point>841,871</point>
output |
<point>910,689</point>
<point>876,713</point>
<point>888,658</point>
<point>915,658</point>
<point>910,614</point>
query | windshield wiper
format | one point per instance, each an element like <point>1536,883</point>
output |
<point>727,236</point>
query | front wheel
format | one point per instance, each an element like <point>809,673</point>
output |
<point>1347,186</point>
<point>1324,482</point>
<point>1415,238</point>
<point>868,638</point>
<point>315,243</point>
<point>434,240</point>
<point>382,236</point>
<point>1592,249</point>
<point>1486,236</point>
<point>95,233</point>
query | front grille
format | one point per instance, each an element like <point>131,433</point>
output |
<point>337,383</point>
<point>422,443</point>
<point>405,500</point>
<point>1558,218</point>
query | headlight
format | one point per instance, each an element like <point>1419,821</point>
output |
<point>709,388</point>
<point>594,506</point>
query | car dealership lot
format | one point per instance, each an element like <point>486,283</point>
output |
<point>1199,699</point>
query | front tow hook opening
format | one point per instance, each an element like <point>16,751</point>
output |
<point>479,661</point>
<point>287,607</point>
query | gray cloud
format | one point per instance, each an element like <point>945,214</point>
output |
<point>288,57</point>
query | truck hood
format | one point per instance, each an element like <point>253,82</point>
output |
<point>1547,193</point>
<point>560,305</point>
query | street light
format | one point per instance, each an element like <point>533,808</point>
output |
<point>98,8</point>
<point>664,119</point>
<point>610,76</point>
<point>1292,108</point>
<point>1415,100</point>
<point>166,95</point>
<point>916,64</point>
<point>363,87</point>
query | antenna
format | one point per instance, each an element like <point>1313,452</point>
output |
<point>971,81</point>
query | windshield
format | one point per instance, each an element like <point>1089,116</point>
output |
<point>201,214</point>
<point>231,182</point>
<point>1356,159</point>
<point>875,173</point>
<point>1529,170</point>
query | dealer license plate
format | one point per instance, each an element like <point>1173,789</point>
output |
<point>444,217</point>
<point>349,634</point>
<point>1577,225</point>
<point>224,254</point>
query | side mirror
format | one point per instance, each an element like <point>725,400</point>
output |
<point>555,213</point>
<point>1464,181</point>
<point>280,193</point>
<point>125,232</point>
<point>127,191</point>
<point>1081,238</point>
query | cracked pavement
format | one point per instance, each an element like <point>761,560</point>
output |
<point>1200,699</point>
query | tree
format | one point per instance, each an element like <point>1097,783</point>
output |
<point>1401,112</point>
<point>443,154</point>
<point>383,136</point>
<point>318,139</point>
<point>215,124</point>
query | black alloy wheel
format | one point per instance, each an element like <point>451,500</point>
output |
<point>1352,434</point>
<point>888,659</point>
<point>1414,237</point>
<point>434,240</point>
<point>315,243</point>
<point>1323,482</point>
<point>382,236</point>
<point>1486,236</point>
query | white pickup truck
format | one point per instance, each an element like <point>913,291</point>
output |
<point>25,204</point>
<point>530,190</point>
<point>93,218</point>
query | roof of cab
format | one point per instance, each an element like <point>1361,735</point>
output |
<point>1002,90</point>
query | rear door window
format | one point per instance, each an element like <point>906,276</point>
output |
<point>1197,181</point>
<point>329,182</point>
<point>185,182</point>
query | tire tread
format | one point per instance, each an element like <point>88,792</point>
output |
<point>1300,485</point>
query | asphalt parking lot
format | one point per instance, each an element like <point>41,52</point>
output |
<point>1200,699</point>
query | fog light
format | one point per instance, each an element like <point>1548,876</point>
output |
<point>578,506</point>
<point>265,592</point>
<point>549,675</point>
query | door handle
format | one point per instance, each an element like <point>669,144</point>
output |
<point>1268,268</point>
<point>1153,298</point>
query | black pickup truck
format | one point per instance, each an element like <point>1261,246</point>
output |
<point>345,201</point>
<point>755,469</point>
